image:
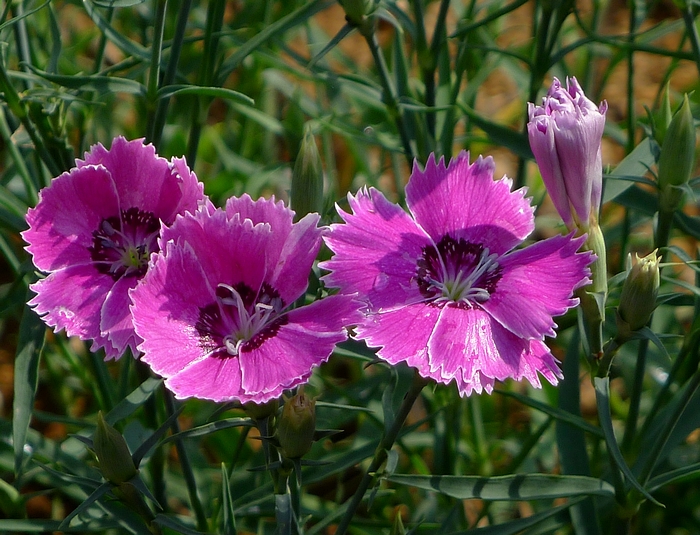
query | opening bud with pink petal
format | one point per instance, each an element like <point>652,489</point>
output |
<point>565,136</point>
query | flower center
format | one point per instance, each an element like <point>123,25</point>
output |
<point>239,318</point>
<point>121,246</point>
<point>457,272</point>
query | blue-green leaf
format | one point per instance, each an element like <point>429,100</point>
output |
<point>518,487</point>
<point>31,342</point>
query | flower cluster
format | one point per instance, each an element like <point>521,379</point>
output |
<point>137,257</point>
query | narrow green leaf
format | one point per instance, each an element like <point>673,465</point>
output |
<point>118,3</point>
<point>96,495</point>
<point>217,92</point>
<point>29,347</point>
<point>127,46</point>
<point>24,15</point>
<point>133,401</point>
<point>555,412</point>
<point>518,487</point>
<point>99,84</point>
<point>635,164</point>
<point>342,33</point>
<point>228,521</point>
<point>687,223</point>
<point>151,441</point>
<point>175,524</point>
<point>46,526</point>
<point>687,473</point>
<point>211,428</point>
<point>602,390</point>
<point>275,29</point>
<point>502,135</point>
<point>517,526</point>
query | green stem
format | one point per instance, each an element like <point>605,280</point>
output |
<point>154,72</point>
<point>668,428</point>
<point>18,160</point>
<point>631,119</point>
<point>380,454</point>
<point>689,19</point>
<point>187,472</point>
<point>156,465</point>
<point>390,96</point>
<point>14,102</point>
<point>171,70</point>
<point>636,397</point>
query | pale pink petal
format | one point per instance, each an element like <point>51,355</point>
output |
<point>166,308</point>
<point>286,358</point>
<point>401,334</point>
<point>464,201</point>
<point>61,226</point>
<point>72,299</point>
<point>537,283</point>
<point>217,379</point>
<point>540,130</point>
<point>376,251</point>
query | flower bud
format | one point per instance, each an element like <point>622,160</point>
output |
<point>357,10</point>
<point>297,426</point>
<point>565,135</point>
<point>663,117</point>
<point>639,291</point>
<point>307,178</point>
<point>677,157</point>
<point>116,463</point>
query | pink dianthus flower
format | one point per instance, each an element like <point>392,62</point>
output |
<point>444,288</point>
<point>93,231</point>
<point>214,308</point>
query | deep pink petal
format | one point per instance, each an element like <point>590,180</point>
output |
<point>217,379</point>
<point>166,308</point>
<point>376,251</point>
<point>464,201</point>
<point>537,283</point>
<point>291,269</point>
<point>229,251</point>
<point>116,319</point>
<point>292,248</point>
<point>72,299</point>
<point>184,195</point>
<point>287,358</point>
<point>143,179</point>
<point>68,212</point>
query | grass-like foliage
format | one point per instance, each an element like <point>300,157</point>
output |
<point>309,101</point>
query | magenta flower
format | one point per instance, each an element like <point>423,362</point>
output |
<point>213,309</point>
<point>565,135</point>
<point>445,292</point>
<point>93,231</point>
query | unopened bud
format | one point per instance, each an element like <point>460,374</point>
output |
<point>307,178</point>
<point>639,291</point>
<point>677,157</point>
<point>357,10</point>
<point>662,119</point>
<point>297,426</point>
<point>116,463</point>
